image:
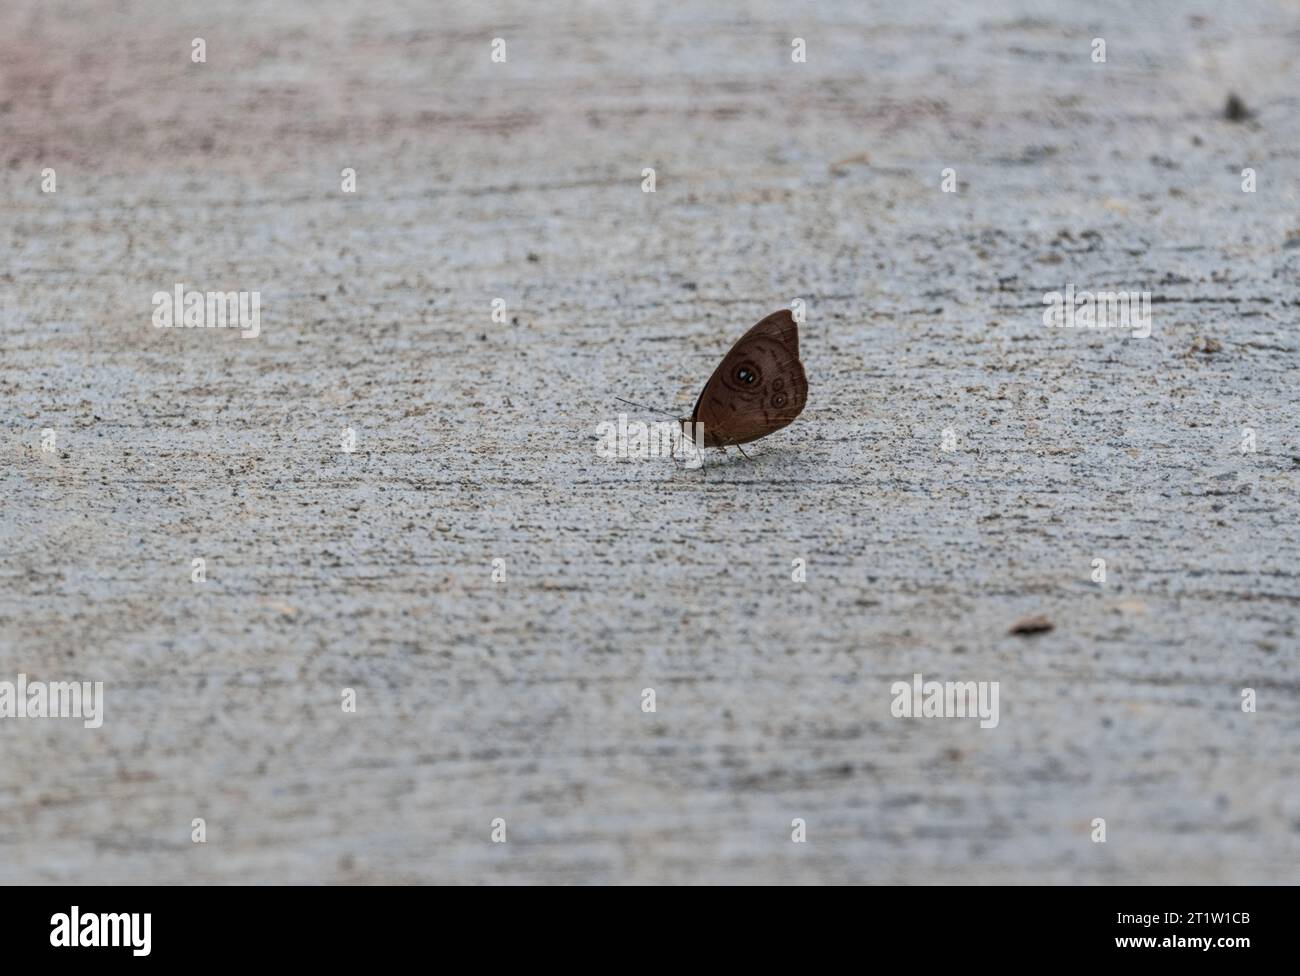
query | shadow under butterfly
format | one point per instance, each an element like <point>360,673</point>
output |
<point>758,388</point>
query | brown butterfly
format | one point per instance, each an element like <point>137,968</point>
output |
<point>758,388</point>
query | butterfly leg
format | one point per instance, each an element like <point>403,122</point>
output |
<point>682,461</point>
<point>742,453</point>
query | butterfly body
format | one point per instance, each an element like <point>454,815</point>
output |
<point>759,387</point>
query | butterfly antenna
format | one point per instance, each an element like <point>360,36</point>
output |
<point>633,403</point>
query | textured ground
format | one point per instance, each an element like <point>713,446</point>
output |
<point>475,441</point>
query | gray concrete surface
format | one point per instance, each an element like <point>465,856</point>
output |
<point>475,441</point>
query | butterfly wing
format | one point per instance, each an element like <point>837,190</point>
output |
<point>759,387</point>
